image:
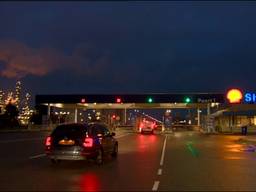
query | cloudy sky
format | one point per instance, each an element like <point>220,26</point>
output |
<point>128,47</point>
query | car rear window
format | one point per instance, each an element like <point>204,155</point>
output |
<point>72,130</point>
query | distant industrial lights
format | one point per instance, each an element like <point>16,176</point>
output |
<point>234,96</point>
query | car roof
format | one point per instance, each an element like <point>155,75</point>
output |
<point>81,124</point>
<point>70,124</point>
<point>97,123</point>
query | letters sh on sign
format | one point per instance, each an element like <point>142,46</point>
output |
<point>250,97</point>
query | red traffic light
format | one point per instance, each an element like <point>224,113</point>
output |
<point>113,116</point>
<point>83,100</point>
<point>118,100</point>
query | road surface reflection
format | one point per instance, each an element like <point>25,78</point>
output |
<point>89,182</point>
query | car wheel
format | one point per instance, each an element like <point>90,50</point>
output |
<point>99,157</point>
<point>115,151</point>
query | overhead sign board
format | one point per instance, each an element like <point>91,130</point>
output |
<point>155,98</point>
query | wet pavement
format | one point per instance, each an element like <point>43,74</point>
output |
<point>179,161</point>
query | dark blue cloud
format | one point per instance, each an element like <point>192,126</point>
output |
<point>150,46</point>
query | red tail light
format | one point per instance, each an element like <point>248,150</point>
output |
<point>154,125</point>
<point>88,142</point>
<point>48,141</point>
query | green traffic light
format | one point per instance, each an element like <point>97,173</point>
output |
<point>187,100</point>
<point>150,100</point>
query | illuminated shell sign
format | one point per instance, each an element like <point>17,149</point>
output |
<point>234,96</point>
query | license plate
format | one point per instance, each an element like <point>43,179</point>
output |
<point>66,142</point>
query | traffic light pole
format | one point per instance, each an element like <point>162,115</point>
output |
<point>48,114</point>
<point>125,116</point>
<point>198,117</point>
<point>75,120</point>
<point>208,117</point>
<point>163,128</point>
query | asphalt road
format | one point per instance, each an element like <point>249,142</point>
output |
<point>162,162</point>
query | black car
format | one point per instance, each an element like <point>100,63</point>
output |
<point>80,142</point>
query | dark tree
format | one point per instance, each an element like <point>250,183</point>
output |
<point>9,118</point>
<point>11,111</point>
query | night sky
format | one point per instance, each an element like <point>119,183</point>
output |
<point>128,47</point>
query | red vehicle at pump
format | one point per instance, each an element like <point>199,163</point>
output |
<point>147,126</point>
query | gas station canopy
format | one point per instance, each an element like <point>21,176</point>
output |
<point>151,100</point>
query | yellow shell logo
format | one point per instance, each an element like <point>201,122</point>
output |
<point>234,96</point>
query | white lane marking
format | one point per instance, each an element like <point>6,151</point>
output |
<point>159,172</point>
<point>37,156</point>
<point>119,136</point>
<point>155,186</point>
<point>163,152</point>
<point>20,140</point>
